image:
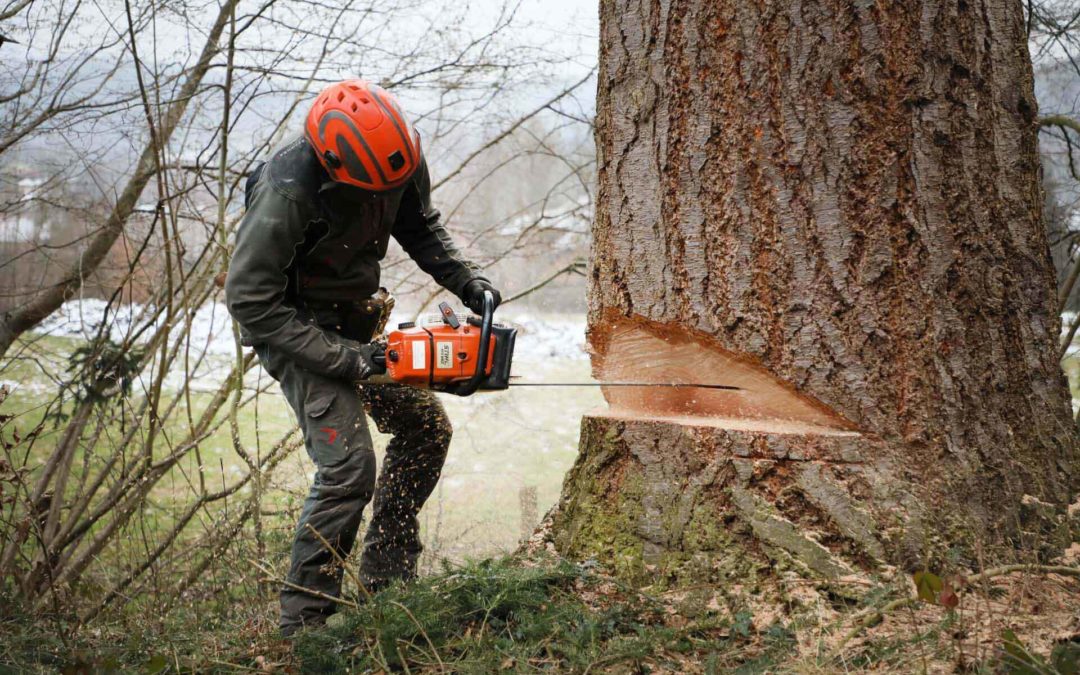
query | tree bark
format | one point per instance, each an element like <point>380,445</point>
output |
<point>836,206</point>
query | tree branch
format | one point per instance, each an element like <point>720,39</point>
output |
<point>23,319</point>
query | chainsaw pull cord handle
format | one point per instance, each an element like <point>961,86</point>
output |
<point>473,383</point>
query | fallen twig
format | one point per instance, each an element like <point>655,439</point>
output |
<point>296,587</point>
<point>434,652</point>
<point>340,560</point>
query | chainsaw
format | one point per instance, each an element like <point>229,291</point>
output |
<point>453,354</point>
<point>464,355</point>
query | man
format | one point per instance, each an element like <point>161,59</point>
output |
<point>321,212</point>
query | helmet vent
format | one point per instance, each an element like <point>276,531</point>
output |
<point>397,160</point>
<point>341,96</point>
<point>354,107</point>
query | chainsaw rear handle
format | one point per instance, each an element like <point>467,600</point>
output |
<point>473,383</point>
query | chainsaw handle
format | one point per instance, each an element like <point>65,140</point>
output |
<point>473,383</point>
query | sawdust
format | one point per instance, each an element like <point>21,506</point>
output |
<point>775,426</point>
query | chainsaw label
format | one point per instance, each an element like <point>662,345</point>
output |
<point>419,354</point>
<point>444,351</point>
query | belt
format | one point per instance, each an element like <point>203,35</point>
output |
<point>357,319</point>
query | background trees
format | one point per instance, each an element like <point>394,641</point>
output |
<point>126,132</point>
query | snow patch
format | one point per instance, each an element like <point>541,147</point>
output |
<point>540,336</point>
<point>211,326</point>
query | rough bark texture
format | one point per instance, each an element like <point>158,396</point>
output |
<point>846,197</point>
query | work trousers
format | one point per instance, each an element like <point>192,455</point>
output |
<point>331,415</point>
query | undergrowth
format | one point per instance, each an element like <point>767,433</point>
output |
<point>547,615</point>
<point>532,614</point>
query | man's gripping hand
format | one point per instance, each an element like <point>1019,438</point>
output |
<point>369,359</point>
<point>473,295</point>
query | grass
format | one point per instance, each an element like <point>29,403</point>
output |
<point>545,614</point>
<point>540,613</point>
<point>527,616</point>
<point>508,614</point>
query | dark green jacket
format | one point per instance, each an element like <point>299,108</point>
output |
<point>307,241</point>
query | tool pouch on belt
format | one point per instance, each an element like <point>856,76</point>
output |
<point>359,320</point>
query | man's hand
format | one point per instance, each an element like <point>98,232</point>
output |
<point>473,295</point>
<point>366,363</point>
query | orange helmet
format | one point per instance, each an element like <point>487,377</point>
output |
<point>362,137</point>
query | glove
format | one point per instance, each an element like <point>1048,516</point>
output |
<point>473,295</point>
<point>367,363</point>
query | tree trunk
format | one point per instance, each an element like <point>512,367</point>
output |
<point>836,207</point>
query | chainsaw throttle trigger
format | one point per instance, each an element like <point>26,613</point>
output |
<point>448,315</point>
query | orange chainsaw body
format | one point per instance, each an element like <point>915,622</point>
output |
<point>429,356</point>
<point>445,354</point>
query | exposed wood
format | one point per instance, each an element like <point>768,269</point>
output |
<point>642,351</point>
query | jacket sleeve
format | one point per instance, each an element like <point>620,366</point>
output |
<point>418,230</point>
<point>266,243</point>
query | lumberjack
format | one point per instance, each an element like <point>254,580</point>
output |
<point>304,286</point>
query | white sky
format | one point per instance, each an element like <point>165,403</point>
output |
<point>563,19</point>
<point>566,28</point>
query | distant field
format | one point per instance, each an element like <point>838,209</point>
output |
<point>503,441</point>
<point>1071,364</point>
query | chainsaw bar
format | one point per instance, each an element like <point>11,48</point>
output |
<point>678,385</point>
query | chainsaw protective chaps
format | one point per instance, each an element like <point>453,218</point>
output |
<point>331,415</point>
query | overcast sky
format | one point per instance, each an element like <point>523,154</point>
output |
<point>567,29</point>
<point>569,20</point>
